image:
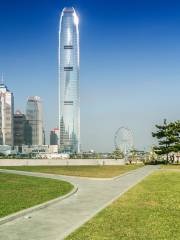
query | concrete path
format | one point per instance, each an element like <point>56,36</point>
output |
<point>59,220</point>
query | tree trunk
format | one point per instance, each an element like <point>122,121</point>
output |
<point>167,158</point>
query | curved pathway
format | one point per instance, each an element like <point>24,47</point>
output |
<point>59,220</point>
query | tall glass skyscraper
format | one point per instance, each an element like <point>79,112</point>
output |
<point>69,100</point>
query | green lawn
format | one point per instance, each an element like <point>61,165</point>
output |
<point>173,166</point>
<point>83,171</point>
<point>19,192</point>
<point>149,211</point>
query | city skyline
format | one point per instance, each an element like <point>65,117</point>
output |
<point>128,61</point>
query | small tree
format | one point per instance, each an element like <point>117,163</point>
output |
<point>168,138</point>
<point>152,155</point>
<point>133,156</point>
<point>118,154</point>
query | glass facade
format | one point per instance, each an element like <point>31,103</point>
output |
<point>22,130</point>
<point>69,106</point>
<point>35,119</point>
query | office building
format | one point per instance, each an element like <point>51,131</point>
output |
<point>54,136</point>
<point>22,130</point>
<point>69,105</point>
<point>6,116</point>
<point>34,116</point>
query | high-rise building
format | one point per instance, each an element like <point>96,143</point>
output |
<point>6,116</point>
<point>35,117</point>
<point>22,130</point>
<point>69,105</point>
<point>54,136</point>
<point>44,137</point>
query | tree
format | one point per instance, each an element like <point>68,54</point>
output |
<point>118,154</point>
<point>133,156</point>
<point>152,155</point>
<point>168,136</point>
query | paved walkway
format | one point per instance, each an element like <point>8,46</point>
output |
<point>59,220</point>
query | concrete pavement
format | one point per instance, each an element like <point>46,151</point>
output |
<point>59,220</point>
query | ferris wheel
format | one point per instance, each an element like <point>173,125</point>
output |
<point>123,140</point>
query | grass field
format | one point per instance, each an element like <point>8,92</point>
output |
<point>19,192</point>
<point>149,211</point>
<point>173,166</point>
<point>82,171</point>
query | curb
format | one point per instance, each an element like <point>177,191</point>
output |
<point>36,208</point>
<point>68,233</point>
<point>106,179</point>
<point>127,173</point>
<point>51,175</point>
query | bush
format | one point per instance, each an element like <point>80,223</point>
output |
<point>155,162</point>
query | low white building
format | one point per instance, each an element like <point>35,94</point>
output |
<point>7,150</point>
<point>43,151</point>
<point>53,155</point>
<point>39,149</point>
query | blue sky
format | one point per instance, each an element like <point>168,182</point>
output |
<point>130,63</point>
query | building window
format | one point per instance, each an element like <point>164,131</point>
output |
<point>68,47</point>
<point>68,68</point>
<point>68,102</point>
